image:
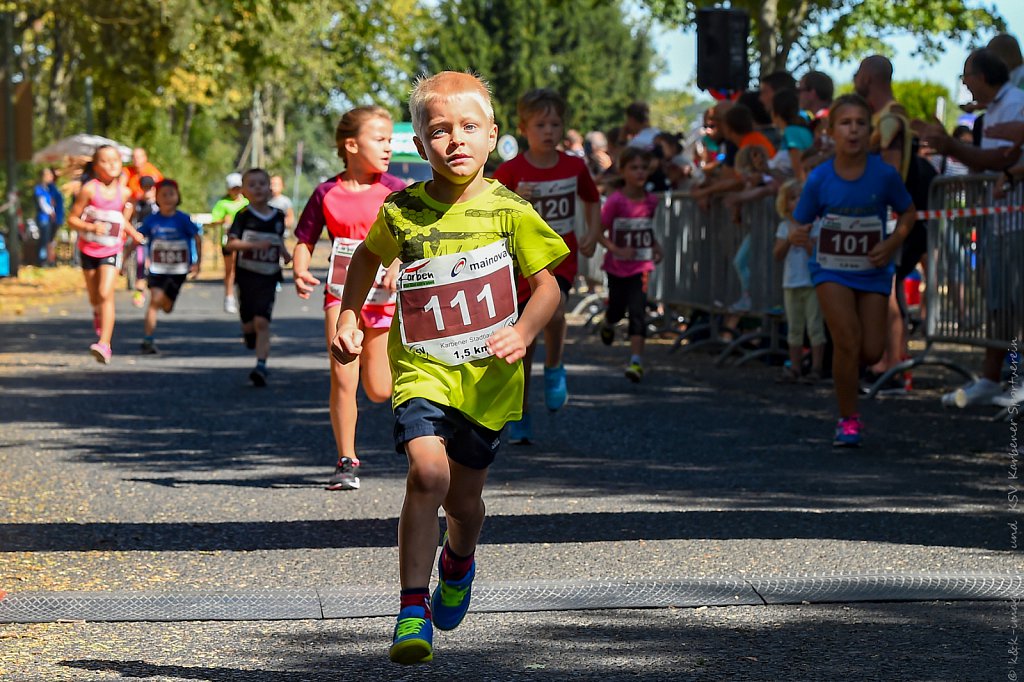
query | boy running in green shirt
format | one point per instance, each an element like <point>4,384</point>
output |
<point>456,343</point>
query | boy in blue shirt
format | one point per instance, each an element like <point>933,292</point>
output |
<point>173,248</point>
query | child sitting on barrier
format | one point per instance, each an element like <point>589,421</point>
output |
<point>802,310</point>
<point>851,263</point>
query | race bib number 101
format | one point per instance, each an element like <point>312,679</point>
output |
<point>448,306</point>
<point>844,242</point>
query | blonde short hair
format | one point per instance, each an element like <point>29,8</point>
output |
<point>782,198</point>
<point>445,86</point>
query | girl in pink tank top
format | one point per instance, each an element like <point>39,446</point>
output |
<point>100,215</point>
<point>347,206</point>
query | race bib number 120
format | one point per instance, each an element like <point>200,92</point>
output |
<point>555,201</point>
<point>448,306</point>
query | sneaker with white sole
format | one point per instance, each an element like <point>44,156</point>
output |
<point>977,392</point>
<point>344,476</point>
<point>230,305</point>
<point>101,352</point>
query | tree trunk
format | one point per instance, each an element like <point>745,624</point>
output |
<point>61,69</point>
<point>186,125</point>
<point>790,30</point>
<point>767,36</point>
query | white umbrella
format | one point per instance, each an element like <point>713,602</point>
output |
<point>78,145</point>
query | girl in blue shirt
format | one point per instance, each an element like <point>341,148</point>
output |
<point>848,199</point>
<point>173,248</point>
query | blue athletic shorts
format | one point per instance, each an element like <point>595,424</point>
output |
<point>469,444</point>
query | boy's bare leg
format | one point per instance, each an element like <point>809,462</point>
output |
<point>426,487</point>
<point>157,302</point>
<point>229,275</point>
<point>261,325</point>
<point>464,507</point>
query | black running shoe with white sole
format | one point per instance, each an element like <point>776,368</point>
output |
<point>344,477</point>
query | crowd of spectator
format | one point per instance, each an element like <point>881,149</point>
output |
<point>749,147</point>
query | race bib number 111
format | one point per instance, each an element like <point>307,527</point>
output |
<point>448,306</point>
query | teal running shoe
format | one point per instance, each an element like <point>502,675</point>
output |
<point>520,432</point>
<point>556,394</point>
<point>450,600</point>
<point>413,640</point>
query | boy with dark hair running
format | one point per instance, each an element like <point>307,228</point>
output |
<point>257,236</point>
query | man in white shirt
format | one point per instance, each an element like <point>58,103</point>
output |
<point>988,78</point>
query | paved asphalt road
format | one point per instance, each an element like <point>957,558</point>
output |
<point>173,473</point>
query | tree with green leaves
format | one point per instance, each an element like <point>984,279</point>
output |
<point>595,57</point>
<point>790,33</point>
<point>183,77</point>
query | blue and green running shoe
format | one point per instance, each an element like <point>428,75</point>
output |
<point>555,392</point>
<point>414,636</point>
<point>450,600</point>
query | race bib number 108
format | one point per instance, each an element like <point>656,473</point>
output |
<point>448,306</point>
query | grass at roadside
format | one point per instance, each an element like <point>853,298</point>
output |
<point>40,290</point>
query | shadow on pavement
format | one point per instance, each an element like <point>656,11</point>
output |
<point>855,642</point>
<point>941,530</point>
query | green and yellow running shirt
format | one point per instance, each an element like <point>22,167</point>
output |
<point>226,207</point>
<point>412,226</point>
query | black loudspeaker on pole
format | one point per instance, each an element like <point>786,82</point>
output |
<point>722,62</point>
